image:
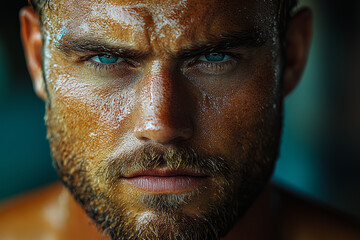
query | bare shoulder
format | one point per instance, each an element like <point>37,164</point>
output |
<point>47,213</point>
<point>302,218</point>
<point>21,217</point>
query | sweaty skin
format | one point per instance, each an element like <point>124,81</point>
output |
<point>162,93</point>
<point>164,117</point>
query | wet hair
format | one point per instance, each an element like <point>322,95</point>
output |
<point>38,5</point>
<point>287,8</point>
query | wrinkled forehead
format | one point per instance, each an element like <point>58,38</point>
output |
<point>145,20</point>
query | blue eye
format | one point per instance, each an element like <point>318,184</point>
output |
<point>214,57</point>
<point>107,59</point>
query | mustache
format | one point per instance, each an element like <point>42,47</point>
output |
<point>174,158</point>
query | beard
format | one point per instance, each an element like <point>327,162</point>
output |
<point>235,185</point>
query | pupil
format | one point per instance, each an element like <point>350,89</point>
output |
<point>215,57</point>
<point>108,59</point>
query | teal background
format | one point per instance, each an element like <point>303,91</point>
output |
<point>321,139</point>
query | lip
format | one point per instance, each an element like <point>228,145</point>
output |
<point>162,180</point>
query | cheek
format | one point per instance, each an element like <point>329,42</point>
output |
<point>94,116</point>
<point>234,121</point>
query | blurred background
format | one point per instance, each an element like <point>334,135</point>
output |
<point>320,151</point>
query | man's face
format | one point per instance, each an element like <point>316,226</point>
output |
<point>163,116</point>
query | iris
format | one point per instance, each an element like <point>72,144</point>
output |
<point>107,59</point>
<point>214,57</point>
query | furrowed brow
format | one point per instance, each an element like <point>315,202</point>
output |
<point>248,39</point>
<point>97,46</point>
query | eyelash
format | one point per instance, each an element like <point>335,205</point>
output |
<point>215,67</point>
<point>103,66</point>
<point>212,66</point>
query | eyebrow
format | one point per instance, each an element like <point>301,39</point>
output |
<point>244,39</point>
<point>92,45</point>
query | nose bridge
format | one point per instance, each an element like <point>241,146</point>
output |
<point>161,119</point>
<point>159,85</point>
<point>157,95</point>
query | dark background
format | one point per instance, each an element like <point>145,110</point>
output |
<point>320,151</point>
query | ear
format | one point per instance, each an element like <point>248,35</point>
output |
<point>297,45</point>
<point>32,42</point>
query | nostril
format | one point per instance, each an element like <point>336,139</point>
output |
<point>142,138</point>
<point>163,135</point>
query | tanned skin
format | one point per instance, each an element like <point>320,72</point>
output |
<point>168,76</point>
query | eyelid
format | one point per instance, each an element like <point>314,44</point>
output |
<point>203,57</point>
<point>120,59</point>
<point>232,57</point>
<point>125,60</point>
<point>98,66</point>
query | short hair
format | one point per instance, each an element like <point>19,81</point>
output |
<point>286,10</point>
<point>288,7</point>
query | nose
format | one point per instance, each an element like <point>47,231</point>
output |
<point>164,113</point>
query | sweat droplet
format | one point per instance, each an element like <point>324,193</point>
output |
<point>92,134</point>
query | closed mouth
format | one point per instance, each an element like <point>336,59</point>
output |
<point>165,181</point>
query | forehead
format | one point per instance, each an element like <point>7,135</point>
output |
<point>158,21</point>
